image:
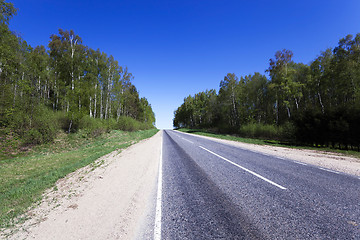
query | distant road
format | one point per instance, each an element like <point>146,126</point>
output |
<point>215,191</point>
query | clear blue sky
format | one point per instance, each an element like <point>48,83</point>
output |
<point>179,47</point>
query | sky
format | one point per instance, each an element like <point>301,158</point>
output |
<point>178,48</point>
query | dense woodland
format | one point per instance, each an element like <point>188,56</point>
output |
<point>316,104</point>
<point>65,85</point>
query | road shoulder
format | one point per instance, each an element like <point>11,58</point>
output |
<point>98,202</point>
<point>333,161</point>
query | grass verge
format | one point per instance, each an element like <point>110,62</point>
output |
<point>23,179</point>
<point>265,142</point>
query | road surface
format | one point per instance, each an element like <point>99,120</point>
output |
<point>181,186</point>
<point>211,190</point>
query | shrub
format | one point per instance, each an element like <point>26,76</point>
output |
<point>287,132</point>
<point>33,136</point>
<point>38,127</point>
<point>129,124</point>
<point>93,127</point>
<point>110,124</point>
<point>263,131</point>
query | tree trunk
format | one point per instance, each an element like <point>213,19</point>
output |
<point>55,103</point>
<point>90,113</point>
<point>70,126</point>
<point>321,104</point>
<point>39,87</point>
<point>118,112</point>
<point>101,103</point>
<point>14,95</point>
<point>296,103</point>
<point>288,111</point>
<point>277,112</point>
<point>95,101</point>
<point>72,45</point>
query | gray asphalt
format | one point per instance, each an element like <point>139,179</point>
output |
<point>206,197</point>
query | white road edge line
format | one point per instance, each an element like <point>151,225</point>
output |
<point>188,140</point>
<point>247,170</point>
<point>329,170</point>
<point>157,228</point>
<point>300,163</point>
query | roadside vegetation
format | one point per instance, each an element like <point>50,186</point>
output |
<point>23,179</point>
<point>64,86</point>
<point>258,141</point>
<point>314,105</point>
<point>62,106</point>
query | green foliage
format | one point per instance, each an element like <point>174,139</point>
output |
<point>70,87</point>
<point>338,127</point>
<point>316,104</point>
<point>7,11</point>
<point>38,127</point>
<point>93,126</point>
<point>261,131</point>
<point>130,124</point>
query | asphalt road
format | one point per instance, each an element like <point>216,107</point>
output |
<point>216,191</point>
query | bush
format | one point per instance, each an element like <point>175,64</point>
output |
<point>287,132</point>
<point>129,124</point>
<point>33,136</point>
<point>37,127</point>
<point>93,127</point>
<point>41,124</point>
<point>110,124</point>
<point>262,131</point>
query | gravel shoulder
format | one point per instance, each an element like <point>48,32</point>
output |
<point>105,200</point>
<point>333,161</point>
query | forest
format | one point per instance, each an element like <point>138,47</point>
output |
<point>316,104</point>
<point>65,85</point>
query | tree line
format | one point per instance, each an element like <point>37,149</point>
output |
<point>314,104</point>
<point>66,80</point>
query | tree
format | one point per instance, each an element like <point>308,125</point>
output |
<point>7,11</point>
<point>257,97</point>
<point>283,82</point>
<point>319,85</point>
<point>231,98</point>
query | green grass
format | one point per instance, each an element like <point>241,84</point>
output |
<point>23,179</point>
<point>266,142</point>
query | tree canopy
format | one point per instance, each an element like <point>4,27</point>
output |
<point>66,77</point>
<point>319,103</point>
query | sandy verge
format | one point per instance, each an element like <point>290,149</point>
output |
<point>105,202</point>
<point>333,161</point>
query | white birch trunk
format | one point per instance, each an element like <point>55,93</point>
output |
<point>90,102</point>
<point>296,103</point>
<point>95,101</point>
<point>72,45</point>
<point>101,103</point>
<point>56,94</point>
<point>288,111</point>
<point>321,103</point>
